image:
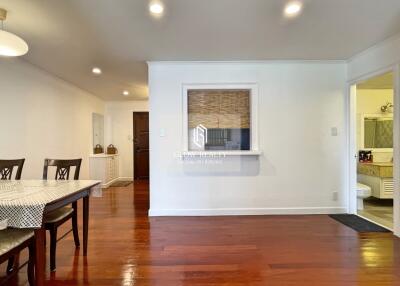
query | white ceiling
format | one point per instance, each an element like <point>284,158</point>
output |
<point>69,37</point>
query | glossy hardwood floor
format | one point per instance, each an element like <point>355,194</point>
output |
<point>127,248</point>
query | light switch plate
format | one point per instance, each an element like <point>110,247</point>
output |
<point>334,131</point>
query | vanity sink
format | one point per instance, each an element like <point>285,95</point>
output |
<point>376,169</point>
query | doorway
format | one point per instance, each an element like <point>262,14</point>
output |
<point>141,145</point>
<point>372,113</point>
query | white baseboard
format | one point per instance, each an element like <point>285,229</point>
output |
<point>104,186</point>
<point>125,179</point>
<point>247,211</point>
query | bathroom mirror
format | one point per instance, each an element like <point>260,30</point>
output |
<point>377,132</point>
<point>98,129</point>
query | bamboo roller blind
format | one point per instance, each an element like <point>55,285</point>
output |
<point>219,108</point>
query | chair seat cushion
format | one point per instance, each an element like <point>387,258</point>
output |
<point>11,238</point>
<point>58,214</point>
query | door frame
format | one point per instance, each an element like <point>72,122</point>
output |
<point>352,142</point>
<point>133,139</point>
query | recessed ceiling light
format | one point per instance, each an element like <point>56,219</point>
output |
<point>125,92</point>
<point>156,8</point>
<point>96,70</point>
<point>293,8</point>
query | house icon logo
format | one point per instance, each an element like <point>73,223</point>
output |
<point>200,136</point>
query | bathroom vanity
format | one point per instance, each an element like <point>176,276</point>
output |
<point>379,176</point>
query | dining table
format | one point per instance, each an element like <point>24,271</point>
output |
<point>24,204</point>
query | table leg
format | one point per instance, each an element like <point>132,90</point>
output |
<point>85,224</point>
<point>40,263</point>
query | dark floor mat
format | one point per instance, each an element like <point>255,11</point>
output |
<point>357,223</point>
<point>121,183</point>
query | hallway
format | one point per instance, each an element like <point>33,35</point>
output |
<point>126,248</point>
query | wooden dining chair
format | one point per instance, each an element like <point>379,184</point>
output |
<point>56,218</point>
<point>7,168</point>
<point>6,171</point>
<point>12,242</point>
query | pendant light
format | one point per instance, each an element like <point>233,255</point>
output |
<point>10,45</point>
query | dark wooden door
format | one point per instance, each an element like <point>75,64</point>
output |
<point>141,145</point>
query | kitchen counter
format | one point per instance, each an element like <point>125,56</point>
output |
<point>102,155</point>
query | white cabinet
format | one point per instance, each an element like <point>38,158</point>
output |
<point>382,188</point>
<point>104,167</point>
<point>378,176</point>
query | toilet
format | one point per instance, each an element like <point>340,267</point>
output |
<point>363,191</point>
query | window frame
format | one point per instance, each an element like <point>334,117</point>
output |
<point>252,87</point>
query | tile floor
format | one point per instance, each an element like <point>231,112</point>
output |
<point>379,211</point>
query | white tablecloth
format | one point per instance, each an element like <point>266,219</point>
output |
<point>22,202</point>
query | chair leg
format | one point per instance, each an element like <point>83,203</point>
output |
<point>75,224</point>
<point>31,264</point>
<point>53,247</point>
<point>10,265</point>
<point>13,264</point>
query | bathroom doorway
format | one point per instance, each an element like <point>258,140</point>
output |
<point>372,128</point>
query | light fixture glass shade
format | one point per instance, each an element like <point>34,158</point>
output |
<point>11,45</point>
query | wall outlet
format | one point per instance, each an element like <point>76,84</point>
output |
<point>335,195</point>
<point>334,131</point>
<point>162,132</point>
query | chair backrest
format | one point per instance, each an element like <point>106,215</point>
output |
<point>7,167</point>
<point>63,168</point>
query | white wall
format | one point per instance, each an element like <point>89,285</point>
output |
<point>119,131</point>
<point>302,165</point>
<point>369,101</point>
<point>42,116</point>
<point>375,59</point>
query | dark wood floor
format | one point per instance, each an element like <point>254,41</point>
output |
<point>127,248</point>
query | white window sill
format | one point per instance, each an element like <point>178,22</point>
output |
<point>220,153</point>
